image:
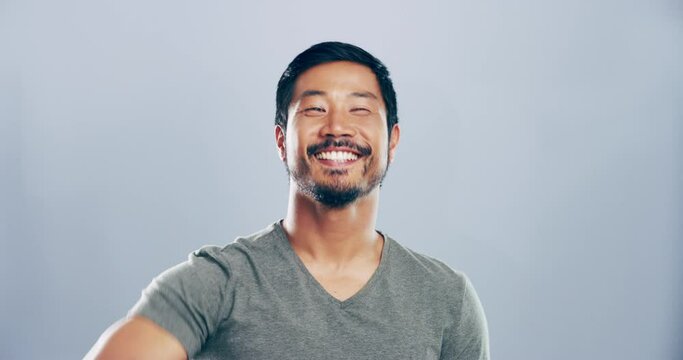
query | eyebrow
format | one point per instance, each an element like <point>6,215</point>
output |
<point>360,94</point>
<point>364,94</point>
<point>309,93</point>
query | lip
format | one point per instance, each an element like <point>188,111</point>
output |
<point>336,164</point>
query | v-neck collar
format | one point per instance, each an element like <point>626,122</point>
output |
<point>280,232</point>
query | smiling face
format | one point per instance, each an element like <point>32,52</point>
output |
<point>336,146</point>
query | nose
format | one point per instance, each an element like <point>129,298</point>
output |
<point>337,124</point>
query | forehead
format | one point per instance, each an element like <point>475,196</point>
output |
<point>338,76</point>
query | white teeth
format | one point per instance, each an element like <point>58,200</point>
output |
<point>339,156</point>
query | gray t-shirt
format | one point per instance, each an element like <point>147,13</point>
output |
<point>254,299</point>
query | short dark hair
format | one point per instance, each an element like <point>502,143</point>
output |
<point>329,52</point>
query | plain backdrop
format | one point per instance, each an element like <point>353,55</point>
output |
<point>541,154</point>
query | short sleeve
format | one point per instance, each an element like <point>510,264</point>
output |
<point>467,337</point>
<point>190,299</point>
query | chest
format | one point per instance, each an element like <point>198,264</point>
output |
<point>341,285</point>
<point>303,323</point>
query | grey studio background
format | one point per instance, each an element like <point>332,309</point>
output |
<point>541,154</point>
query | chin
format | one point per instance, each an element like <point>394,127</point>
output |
<point>336,197</point>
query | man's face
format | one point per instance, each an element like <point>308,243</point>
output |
<point>336,147</point>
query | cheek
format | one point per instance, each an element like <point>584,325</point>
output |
<point>295,145</point>
<point>375,131</point>
<point>382,154</point>
<point>381,146</point>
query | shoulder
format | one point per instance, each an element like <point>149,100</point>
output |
<point>425,268</point>
<point>254,244</point>
<point>244,256</point>
<point>212,264</point>
<point>466,330</point>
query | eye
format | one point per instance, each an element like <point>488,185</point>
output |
<point>314,110</point>
<point>360,111</point>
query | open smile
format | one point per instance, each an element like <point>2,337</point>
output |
<point>337,158</point>
<point>338,153</point>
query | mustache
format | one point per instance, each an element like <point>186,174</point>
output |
<point>315,148</point>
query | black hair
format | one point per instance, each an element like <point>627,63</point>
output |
<point>329,52</point>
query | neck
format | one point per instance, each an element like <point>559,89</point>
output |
<point>333,235</point>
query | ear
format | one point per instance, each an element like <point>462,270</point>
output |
<point>393,141</point>
<point>280,142</point>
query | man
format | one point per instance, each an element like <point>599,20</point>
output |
<point>322,283</point>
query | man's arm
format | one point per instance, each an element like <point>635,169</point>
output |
<point>468,337</point>
<point>176,313</point>
<point>137,338</point>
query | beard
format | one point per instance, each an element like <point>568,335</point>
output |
<point>333,197</point>
<point>337,193</point>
